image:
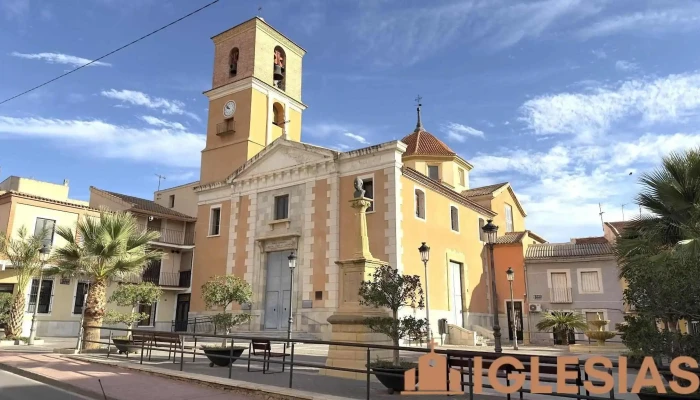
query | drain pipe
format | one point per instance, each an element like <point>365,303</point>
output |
<point>527,298</point>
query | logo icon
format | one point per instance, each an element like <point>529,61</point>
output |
<point>433,376</point>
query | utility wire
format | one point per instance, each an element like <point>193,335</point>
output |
<point>111,52</point>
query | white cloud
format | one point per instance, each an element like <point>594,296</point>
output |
<point>405,35</point>
<point>458,132</point>
<point>600,54</point>
<point>155,103</point>
<point>646,21</point>
<point>357,138</point>
<point>622,65</point>
<point>588,114</point>
<point>102,139</point>
<point>14,8</point>
<point>162,123</point>
<point>58,58</point>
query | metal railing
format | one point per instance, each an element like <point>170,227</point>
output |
<point>180,279</point>
<point>194,325</point>
<point>560,295</point>
<point>465,362</point>
<point>173,236</point>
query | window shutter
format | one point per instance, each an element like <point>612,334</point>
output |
<point>590,282</point>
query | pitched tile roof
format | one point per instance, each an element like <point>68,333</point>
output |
<point>148,206</point>
<point>424,143</point>
<point>480,191</point>
<point>45,199</point>
<point>567,250</point>
<point>510,237</point>
<point>590,240</point>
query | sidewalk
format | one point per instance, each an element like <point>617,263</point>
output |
<point>119,384</point>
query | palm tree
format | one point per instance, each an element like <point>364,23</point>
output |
<point>23,253</point>
<point>672,194</point>
<point>561,323</point>
<point>112,247</point>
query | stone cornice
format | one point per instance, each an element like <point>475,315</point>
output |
<point>571,259</point>
<point>255,83</point>
<point>260,24</point>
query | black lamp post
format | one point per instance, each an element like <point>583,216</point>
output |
<point>425,256</point>
<point>44,255</point>
<point>491,232</point>
<point>510,274</point>
<point>292,264</point>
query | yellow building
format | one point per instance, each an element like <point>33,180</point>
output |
<point>263,194</point>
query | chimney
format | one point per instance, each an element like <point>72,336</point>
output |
<point>65,182</point>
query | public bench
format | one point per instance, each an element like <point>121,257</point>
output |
<point>265,346</point>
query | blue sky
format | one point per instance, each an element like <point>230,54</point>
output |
<point>563,98</point>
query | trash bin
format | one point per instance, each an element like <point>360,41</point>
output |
<point>442,326</point>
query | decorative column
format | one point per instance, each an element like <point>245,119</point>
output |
<point>347,323</point>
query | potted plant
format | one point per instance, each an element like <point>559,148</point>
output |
<point>561,323</point>
<point>130,295</point>
<point>390,290</point>
<point>221,292</point>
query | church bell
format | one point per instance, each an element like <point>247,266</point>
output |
<point>278,74</point>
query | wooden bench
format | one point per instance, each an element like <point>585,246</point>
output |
<point>169,339</point>
<point>266,347</point>
<point>547,369</point>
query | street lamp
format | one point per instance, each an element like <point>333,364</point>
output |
<point>510,274</point>
<point>425,256</point>
<point>292,264</point>
<point>44,255</point>
<point>491,232</point>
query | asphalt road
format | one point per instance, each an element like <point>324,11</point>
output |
<point>15,387</point>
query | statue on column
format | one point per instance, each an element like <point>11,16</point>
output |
<point>359,191</point>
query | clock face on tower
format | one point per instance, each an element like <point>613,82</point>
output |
<point>229,109</point>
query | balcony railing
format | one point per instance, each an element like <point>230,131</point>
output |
<point>173,236</point>
<point>560,295</point>
<point>166,279</point>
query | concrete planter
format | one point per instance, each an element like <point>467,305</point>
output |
<point>5,342</point>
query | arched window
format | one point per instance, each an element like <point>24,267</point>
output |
<point>233,62</point>
<point>280,62</point>
<point>278,114</point>
<point>420,204</point>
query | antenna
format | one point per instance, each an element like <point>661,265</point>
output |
<point>602,224</point>
<point>260,11</point>
<point>623,212</point>
<point>160,178</point>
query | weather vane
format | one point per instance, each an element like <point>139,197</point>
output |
<point>418,100</point>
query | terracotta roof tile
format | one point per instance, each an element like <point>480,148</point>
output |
<point>567,250</point>
<point>510,237</point>
<point>424,143</point>
<point>618,226</point>
<point>144,205</point>
<point>480,191</point>
<point>590,240</point>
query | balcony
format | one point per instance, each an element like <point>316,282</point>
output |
<point>153,275</point>
<point>228,126</point>
<point>173,236</point>
<point>560,295</point>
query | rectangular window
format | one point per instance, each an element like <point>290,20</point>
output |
<point>44,297</point>
<point>454,217</point>
<point>7,288</point>
<point>461,177</point>
<point>482,235</point>
<point>215,221</point>
<point>171,201</point>
<point>509,218</point>
<point>368,187</point>
<point>590,281</point>
<point>560,291</point>
<point>434,172</point>
<point>282,207</point>
<point>420,204</point>
<point>79,301</point>
<point>47,226</point>
<point>150,310</point>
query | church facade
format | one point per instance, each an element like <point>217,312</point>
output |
<point>264,194</point>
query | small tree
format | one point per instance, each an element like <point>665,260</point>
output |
<point>220,292</point>
<point>389,289</point>
<point>128,295</point>
<point>561,323</point>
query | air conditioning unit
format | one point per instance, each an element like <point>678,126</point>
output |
<point>535,307</point>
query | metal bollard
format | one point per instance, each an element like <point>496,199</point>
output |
<point>109,343</point>
<point>182,354</point>
<point>230,358</point>
<point>142,342</point>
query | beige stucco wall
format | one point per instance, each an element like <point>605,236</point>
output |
<point>185,198</point>
<point>38,188</point>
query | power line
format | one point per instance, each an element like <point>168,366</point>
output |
<point>110,53</point>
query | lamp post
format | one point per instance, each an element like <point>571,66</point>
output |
<point>292,264</point>
<point>425,256</point>
<point>510,274</point>
<point>44,255</point>
<point>491,232</point>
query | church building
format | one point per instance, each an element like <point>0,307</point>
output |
<point>264,194</point>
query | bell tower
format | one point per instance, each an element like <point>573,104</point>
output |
<point>255,96</point>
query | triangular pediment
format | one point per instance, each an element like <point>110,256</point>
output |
<point>282,155</point>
